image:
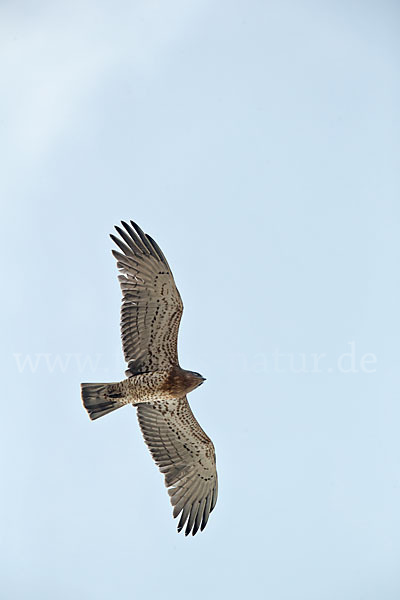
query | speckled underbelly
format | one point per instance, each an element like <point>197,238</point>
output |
<point>145,387</point>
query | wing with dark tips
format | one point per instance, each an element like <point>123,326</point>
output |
<point>151,305</point>
<point>186,457</point>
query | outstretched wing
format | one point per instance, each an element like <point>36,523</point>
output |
<point>151,305</point>
<point>185,455</point>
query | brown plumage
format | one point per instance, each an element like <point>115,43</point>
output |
<point>156,384</point>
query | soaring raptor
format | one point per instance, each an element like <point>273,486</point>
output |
<point>156,384</point>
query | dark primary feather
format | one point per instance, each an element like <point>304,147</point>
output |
<point>186,457</point>
<point>151,305</point>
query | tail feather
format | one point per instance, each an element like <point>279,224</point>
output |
<point>99,399</point>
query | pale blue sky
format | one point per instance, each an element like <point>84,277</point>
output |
<point>258,143</point>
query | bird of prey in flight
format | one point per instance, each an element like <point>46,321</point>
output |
<point>156,384</point>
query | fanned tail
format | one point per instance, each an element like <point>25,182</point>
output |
<point>101,398</point>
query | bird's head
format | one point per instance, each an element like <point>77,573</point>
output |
<point>192,380</point>
<point>196,378</point>
<point>181,381</point>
